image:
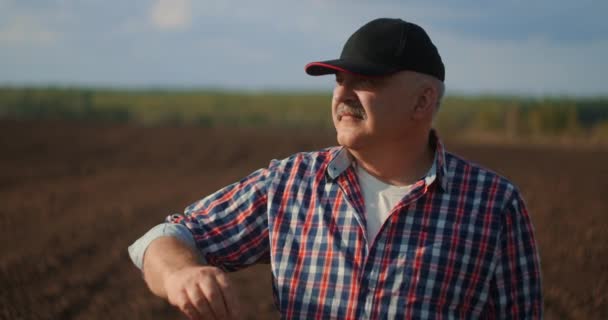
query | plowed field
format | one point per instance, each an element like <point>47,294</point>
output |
<point>73,196</point>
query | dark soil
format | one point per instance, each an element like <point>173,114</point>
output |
<point>75,195</point>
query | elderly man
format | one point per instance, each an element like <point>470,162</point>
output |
<point>387,226</point>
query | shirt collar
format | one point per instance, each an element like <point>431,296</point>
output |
<point>341,160</point>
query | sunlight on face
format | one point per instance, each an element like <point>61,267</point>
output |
<point>372,111</point>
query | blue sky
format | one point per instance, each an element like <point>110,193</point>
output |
<point>507,47</point>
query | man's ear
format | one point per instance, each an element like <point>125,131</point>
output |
<point>425,103</point>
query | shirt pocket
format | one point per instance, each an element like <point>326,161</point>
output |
<point>409,268</point>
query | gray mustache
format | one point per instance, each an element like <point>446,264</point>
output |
<point>356,111</point>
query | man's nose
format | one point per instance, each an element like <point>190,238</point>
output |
<point>344,92</point>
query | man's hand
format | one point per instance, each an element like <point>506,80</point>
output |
<point>172,271</point>
<point>202,292</point>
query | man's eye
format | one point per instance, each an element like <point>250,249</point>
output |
<point>367,83</point>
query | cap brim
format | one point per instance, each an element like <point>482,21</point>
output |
<point>340,65</point>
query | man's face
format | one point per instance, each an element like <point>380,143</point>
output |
<point>368,112</point>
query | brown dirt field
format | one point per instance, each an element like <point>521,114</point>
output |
<point>75,195</point>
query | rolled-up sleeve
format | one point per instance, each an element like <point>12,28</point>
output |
<point>515,290</point>
<point>138,248</point>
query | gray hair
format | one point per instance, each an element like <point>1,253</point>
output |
<point>439,87</point>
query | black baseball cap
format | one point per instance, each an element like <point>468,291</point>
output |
<point>382,47</point>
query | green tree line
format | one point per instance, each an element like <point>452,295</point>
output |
<point>468,116</point>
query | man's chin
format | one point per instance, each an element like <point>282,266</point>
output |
<point>349,141</point>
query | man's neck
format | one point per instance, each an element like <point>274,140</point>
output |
<point>400,163</point>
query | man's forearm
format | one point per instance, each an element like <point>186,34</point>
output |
<point>164,256</point>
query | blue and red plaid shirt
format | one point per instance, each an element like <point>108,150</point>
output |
<point>460,247</point>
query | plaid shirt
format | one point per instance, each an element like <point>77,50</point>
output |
<point>460,247</point>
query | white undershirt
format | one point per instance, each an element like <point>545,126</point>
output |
<point>380,198</point>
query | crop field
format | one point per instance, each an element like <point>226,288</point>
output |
<point>74,195</point>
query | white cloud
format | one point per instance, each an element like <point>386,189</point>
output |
<point>171,14</point>
<point>483,50</point>
<point>27,30</point>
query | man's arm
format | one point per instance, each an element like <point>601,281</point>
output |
<point>229,228</point>
<point>516,289</point>
<point>173,271</point>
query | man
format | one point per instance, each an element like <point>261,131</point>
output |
<point>387,226</point>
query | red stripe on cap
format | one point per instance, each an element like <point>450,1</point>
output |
<point>332,67</point>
